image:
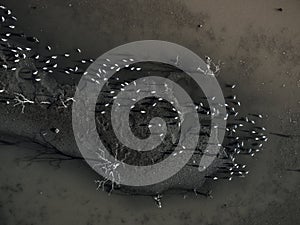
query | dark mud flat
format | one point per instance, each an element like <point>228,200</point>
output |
<point>259,48</point>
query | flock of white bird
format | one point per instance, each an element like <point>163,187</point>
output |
<point>243,134</point>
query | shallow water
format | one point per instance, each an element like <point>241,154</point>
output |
<point>259,47</point>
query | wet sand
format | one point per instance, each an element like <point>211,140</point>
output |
<point>259,48</point>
